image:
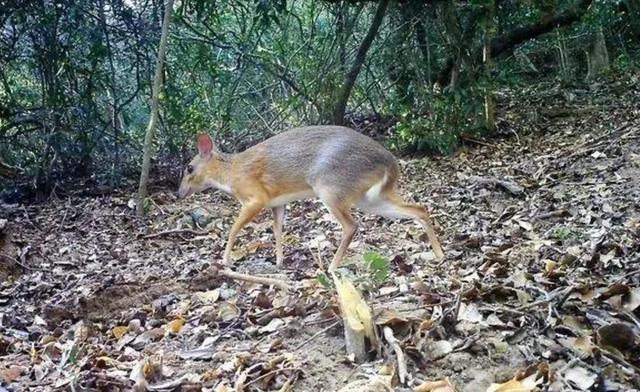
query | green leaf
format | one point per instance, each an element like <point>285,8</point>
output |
<point>378,265</point>
<point>323,280</point>
<point>146,205</point>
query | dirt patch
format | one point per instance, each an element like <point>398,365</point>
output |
<point>10,268</point>
<point>110,301</point>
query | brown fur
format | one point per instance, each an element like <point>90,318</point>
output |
<point>336,164</point>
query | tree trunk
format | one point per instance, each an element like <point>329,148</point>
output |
<point>566,67</point>
<point>424,45</point>
<point>489,98</point>
<point>598,56</point>
<point>402,73</point>
<point>7,170</point>
<point>114,115</point>
<point>341,35</point>
<point>633,10</point>
<point>352,75</point>
<point>153,119</point>
<point>457,41</point>
<point>522,34</point>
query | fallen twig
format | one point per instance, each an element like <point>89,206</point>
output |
<point>402,363</point>
<point>468,342</point>
<point>562,294</point>
<point>175,231</point>
<point>619,360</point>
<point>157,206</point>
<point>289,384</point>
<point>271,373</point>
<point>552,214</point>
<point>315,336</point>
<point>319,321</point>
<point>478,142</point>
<point>26,215</point>
<point>16,261</point>
<point>227,273</point>
<point>510,186</point>
<point>580,149</point>
<point>64,218</point>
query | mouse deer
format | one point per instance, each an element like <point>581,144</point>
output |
<point>339,166</point>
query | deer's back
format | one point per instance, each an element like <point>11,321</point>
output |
<point>322,152</point>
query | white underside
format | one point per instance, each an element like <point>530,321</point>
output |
<point>371,202</point>
<point>289,197</point>
<point>382,208</point>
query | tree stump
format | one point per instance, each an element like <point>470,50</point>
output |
<point>357,318</point>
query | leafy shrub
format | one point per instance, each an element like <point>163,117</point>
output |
<point>452,114</point>
<point>377,264</point>
<point>563,233</point>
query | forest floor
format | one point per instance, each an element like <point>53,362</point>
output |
<point>540,286</point>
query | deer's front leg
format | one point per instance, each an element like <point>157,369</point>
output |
<point>278,221</point>
<point>247,213</point>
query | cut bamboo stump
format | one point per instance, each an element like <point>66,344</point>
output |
<point>357,319</point>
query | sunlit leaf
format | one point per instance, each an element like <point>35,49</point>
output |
<point>119,331</point>
<point>175,326</point>
<point>378,265</point>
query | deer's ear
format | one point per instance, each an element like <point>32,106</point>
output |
<point>205,145</point>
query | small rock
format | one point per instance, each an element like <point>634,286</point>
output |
<point>617,335</point>
<point>252,330</point>
<point>136,314</point>
<point>185,221</point>
<point>154,323</point>
<point>439,349</point>
<point>477,349</point>
<point>135,326</point>
<point>160,304</point>
<point>57,332</point>
<point>201,216</point>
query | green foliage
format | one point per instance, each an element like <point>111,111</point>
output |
<point>564,233</point>
<point>323,280</point>
<point>269,10</point>
<point>146,205</point>
<point>452,114</point>
<point>377,265</point>
<point>243,70</point>
<point>624,63</point>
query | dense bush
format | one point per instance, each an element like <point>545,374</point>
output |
<point>75,76</point>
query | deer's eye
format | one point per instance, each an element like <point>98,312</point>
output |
<point>190,169</point>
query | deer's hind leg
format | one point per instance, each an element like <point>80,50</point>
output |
<point>339,206</point>
<point>391,205</point>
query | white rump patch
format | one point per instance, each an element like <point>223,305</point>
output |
<point>374,203</point>
<point>373,194</point>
